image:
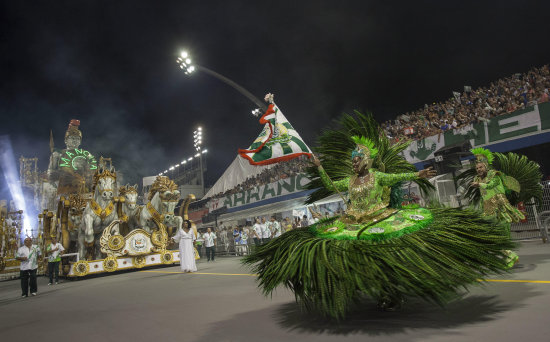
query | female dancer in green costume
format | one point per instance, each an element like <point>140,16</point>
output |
<point>369,196</point>
<point>493,186</point>
<point>375,250</point>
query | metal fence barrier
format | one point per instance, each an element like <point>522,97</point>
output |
<point>537,219</point>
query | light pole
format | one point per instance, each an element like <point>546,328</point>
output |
<point>185,63</point>
<point>197,142</point>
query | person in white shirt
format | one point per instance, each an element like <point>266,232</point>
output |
<point>28,255</point>
<point>257,232</point>
<point>224,239</point>
<point>54,251</point>
<point>275,228</point>
<point>304,222</point>
<point>266,231</point>
<point>210,244</point>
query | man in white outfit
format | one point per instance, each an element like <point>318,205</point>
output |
<point>28,255</point>
<point>257,232</point>
<point>275,228</point>
<point>266,231</point>
<point>54,251</point>
<point>210,244</point>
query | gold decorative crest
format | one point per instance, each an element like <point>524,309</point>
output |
<point>116,242</point>
<point>102,213</point>
<point>110,264</point>
<point>104,174</point>
<point>77,202</point>
<point>158,238</point>
<point>162,184</point>
<point>81,268</point>
<point>167,258</point>
<point>123,190</point>
<point>139,261</point>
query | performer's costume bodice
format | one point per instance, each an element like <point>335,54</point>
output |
<point>493,198</point>
<point>368,205</point>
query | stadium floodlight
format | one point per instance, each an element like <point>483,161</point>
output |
<point>204,151</point>
<point>256,112</point>
<point>184,62</point>
<point>197,139</point>
<point>190,158</point>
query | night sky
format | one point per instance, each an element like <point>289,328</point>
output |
<point>111,64</point>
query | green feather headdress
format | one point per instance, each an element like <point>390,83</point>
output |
<point>483,155</point>
<point>363,142</point>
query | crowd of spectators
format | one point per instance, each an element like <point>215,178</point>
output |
<point>472,106</point>
<point>273,174</point>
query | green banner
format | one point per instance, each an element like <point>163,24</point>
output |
<point>522,123</point>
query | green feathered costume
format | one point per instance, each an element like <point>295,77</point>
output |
<point>377,249</point>
<point>496,190</point>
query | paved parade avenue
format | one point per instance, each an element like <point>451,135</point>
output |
<point>221,303</point>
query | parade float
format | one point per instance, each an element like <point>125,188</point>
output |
<point>98,221</point>
<point>11,224</point>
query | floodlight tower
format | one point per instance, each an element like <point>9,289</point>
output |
<point>185,63</point>
<point>197,143</point>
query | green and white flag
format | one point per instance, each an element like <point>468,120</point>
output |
<point>278,141</point>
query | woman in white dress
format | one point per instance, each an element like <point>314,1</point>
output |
<point>186,239</point>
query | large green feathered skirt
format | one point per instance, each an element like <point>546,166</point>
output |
<point>328,268</point>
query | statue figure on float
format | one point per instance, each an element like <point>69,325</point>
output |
<point>70,171</point>
<point>129,211</point>
<point>163,198</point>
<point>100,210</point>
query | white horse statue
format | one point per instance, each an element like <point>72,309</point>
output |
<point>100,211</point>
<point>163,198</point>
<point>129,209</point>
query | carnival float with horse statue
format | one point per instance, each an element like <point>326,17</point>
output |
<point>99,222</point>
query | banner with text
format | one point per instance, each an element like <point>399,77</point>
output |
<point>522,123</point>
<point>280,188</point>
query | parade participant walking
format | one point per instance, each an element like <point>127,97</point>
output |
<point>224,239</point>
<point>244,241</point>
<point>287,224</point>
<point>198,243</point>
<point>186,239</point>
<point>304,222</point>
<point>210,244</point>
<point>28,255</point>
<point>257,232</point>
<point>54,251</point>
<point>275,228</point>
<point>493,186</point>
<point>266,231</point>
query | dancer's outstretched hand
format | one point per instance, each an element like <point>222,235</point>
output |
<point>427,173</point>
